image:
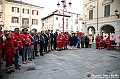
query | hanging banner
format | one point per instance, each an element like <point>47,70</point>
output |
<point>105,35</point>
<point>76,21</point>
<point>58,24</point>
<point>112,36</point>
<point>117,37</point>
<point>66,24</point>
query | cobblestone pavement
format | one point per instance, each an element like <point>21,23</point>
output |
<point>71,64</point>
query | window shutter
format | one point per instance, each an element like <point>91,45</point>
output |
<point>27,20</point>
<point>12,19</point>
<point>18,10</point>
<point>17,19</point>
<point>28,11</point>
<point>23,10</point>
<point>32,21</point>
<point>107,10</point>
<point>12,9</point>
<point>32,11</point>
<point>36,21</point>
<point>37,12</point>
<point>91,14</point>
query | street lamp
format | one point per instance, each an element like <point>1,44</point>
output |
<point>116,13</point>
<point>64,7</point>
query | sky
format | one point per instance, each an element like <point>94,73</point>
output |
<point>51,5</point>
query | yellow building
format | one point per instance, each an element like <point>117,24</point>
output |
<point>101,16</point>
<point>20,14</point>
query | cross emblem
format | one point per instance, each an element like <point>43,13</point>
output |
<point>112,36</point>
<point>118,37</point>
<point>105,36</point>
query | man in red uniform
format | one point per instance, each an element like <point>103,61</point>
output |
<point>59,42</point>
<point>63,41</point>
<point>26,42</point>
<point>18,46</point>
<point>9,50</point>
<point>98,42</point>
<point>1,41</point>
<point>67,36</point>
<point>108,43</point>
<point>102,43</point>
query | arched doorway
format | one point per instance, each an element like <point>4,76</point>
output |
<point>91,31</point>
<point>107,29</point>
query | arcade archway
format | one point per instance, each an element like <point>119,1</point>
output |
<point>107,29</point>
<point>91,30</point>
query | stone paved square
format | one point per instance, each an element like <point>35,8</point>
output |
<point>70,64</point>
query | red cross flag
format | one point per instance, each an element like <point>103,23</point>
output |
<point>112,36</point>
<point>117,37</point>
<point>105,35</point>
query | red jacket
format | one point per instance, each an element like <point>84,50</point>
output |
<point>26,39</point>
<point>59,39</point>
<point>67,36</point>
<point>8,47</point>
<point>17,41</point>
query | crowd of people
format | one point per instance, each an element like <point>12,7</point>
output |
<point>24,43</point>
<point>102,43</point>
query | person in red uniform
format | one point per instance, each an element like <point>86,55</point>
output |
<point>98,42</point>
<point>26,43</point>
<point>108,43</point>
<point>59,42</point>
<point>18,46</point>
<point>102,43</point>
<point>1,41</point>
<point>67,36</point>
<point>8,48</point>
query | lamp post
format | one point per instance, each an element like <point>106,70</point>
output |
<point>64,7</point>
<point>97,15</point>
<point>116,13</point>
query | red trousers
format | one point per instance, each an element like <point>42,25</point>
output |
<point>98,45</point>
<point>9,61</point>
<point>59,45</point>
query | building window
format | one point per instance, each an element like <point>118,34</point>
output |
<point>56,18</point>
<point>15,9</point>
<point>34,12</point>
<point>66,19</point>
<point>15,19</point>
<point>25,20</point>
<point>107,10</point>
<point>90,14</point>
<point>26,11</point>
<point>35,21</point>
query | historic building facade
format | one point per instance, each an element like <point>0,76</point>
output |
<point>101,16</point>
<point>20,14</point>
<point>54,21</point>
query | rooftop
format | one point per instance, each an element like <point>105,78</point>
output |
<point>21,2</point>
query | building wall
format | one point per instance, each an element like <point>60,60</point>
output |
<point>8,14</point>
<point>111,20</point>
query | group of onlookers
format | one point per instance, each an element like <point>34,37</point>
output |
<point>25,43</point>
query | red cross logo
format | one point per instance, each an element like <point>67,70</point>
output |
<point>105,36</point>
<point>118,37</point>
<point>112,36</point>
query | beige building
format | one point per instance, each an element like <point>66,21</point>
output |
<point>54,21</point>
<point>20,14</point>
<point>101,16</point>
